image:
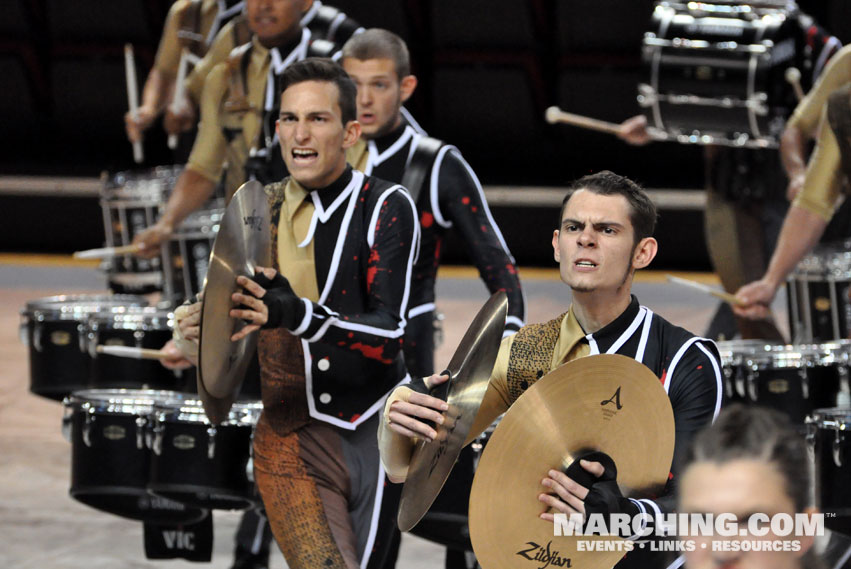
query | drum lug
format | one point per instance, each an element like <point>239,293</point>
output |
<point>139,336</point>
<point>211,442</point>
<point>812,430</point>
<point>37,336</point>
<point>740,386</point>
<point>249,469</point>
<point>752,390</point>
<point>81,337</point>
<point>87,426</point>
<point>93,338</point>
<point>157,446</point>
<point>67,413</point>
<point>805,383</point>
<point>837,449</point>
<point>141,423</point>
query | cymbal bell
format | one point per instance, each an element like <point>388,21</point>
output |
<point>469,371</point>
<point>242,243</point>
<point>609,403</point>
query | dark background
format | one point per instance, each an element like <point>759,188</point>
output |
<point>487,70</point>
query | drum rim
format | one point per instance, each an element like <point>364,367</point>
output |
<point>58,303</point>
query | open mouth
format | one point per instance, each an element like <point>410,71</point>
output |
<point>367,118</point>
<point>585,264</point>
<point>301,155</point>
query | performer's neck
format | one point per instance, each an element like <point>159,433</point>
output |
<point>386,140</point>
<point>594,310</point>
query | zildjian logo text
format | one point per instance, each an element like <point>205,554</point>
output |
<point>543,554</point>
<point>253,221</point>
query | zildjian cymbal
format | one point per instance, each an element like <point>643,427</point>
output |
<point>242,243</point>
<point>469,371</point>
<point>607,403</point>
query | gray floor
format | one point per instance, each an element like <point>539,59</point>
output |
<point>40,526</point>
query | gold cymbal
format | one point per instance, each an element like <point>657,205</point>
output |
<point>469,371</point>
<point>242,243</point>
<point>608,403</point>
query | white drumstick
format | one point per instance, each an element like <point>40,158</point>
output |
<point>793,77</point>
<point>556,115</point>
<point>132,352</point>
<point>177,101</point>
<point>107,252</point>
<point>725,296</point>
<point>133,97</point>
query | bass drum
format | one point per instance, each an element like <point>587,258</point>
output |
<point>715,72</point>
<point>54,329</point>
<point>109,430</point>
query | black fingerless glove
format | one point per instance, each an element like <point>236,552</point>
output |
<point>285,308</point>
<point>604,497</point>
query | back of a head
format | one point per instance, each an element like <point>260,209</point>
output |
<point>755,433</point>
<point>377,43</point>
<point>327,70</point>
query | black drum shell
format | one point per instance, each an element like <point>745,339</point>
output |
<point>111,473</point>
<point>61,366</point>
<point>182,470</point>
<point>108,371</point>
<point>833,492</point>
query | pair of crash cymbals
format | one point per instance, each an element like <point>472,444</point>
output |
<point>607,403</point>
<point>242,243</point>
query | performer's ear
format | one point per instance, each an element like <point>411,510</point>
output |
<point>644,253</point>
<point>556,253</point>
<point>407,87</point>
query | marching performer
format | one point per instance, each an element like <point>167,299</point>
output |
<point>604,236</point>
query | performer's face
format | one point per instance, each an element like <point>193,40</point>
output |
<point>595,244</point>
<point>741,488</point>
<point>275,21</point>
<point>380,94</point>
<point>312,134</point>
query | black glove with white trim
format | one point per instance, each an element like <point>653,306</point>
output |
<point>285,308</point>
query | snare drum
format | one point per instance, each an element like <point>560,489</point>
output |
<point>716,71</point>
<point>110,458</point>
<point>131,202</point>
<point>138,327</point>
<point>827,431</point>
<point>200,464</point>
<point>186,256</point>
<point>792,379</point>
<point>819,295</point>
<point>54,328</point>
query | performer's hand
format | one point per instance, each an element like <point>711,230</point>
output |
<point>136,126</point>
<point>406,418</point>
<point>796,184</point>
<point>175,358</point>
<point>181,121</point>
<point>569,495</point>
<point>187,331</point>
<point>634,131</point>
<point>250,307</point>
<point>755,299</point>
<point>151,238</point>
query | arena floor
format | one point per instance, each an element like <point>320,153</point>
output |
<point>41,526</point>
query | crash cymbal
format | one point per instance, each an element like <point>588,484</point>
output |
<point>608,403</point>
<point>242,243</point>
<point>469,371</point>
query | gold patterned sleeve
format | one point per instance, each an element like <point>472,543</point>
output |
<point>168,53</point>
<point>208,152</point>
<point>808,113</point>
<point>218,53</point>
<point>824,177</point>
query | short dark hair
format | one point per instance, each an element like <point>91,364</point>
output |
<point>751,432</point>
<point>642,212</point>
<point>324,69</point>
<point>376,43</point>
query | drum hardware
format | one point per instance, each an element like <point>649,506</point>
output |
<point>818,295</point>
<point>469,371</point>
<point>826,431</point>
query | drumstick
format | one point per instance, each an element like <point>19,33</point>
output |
<point>556,115</point>
<point>107,252</point>
<point>725,296</point>
<point>133,97</point>
<point>132,352</point>
<point>177,101</point>
<point>793,77</point>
